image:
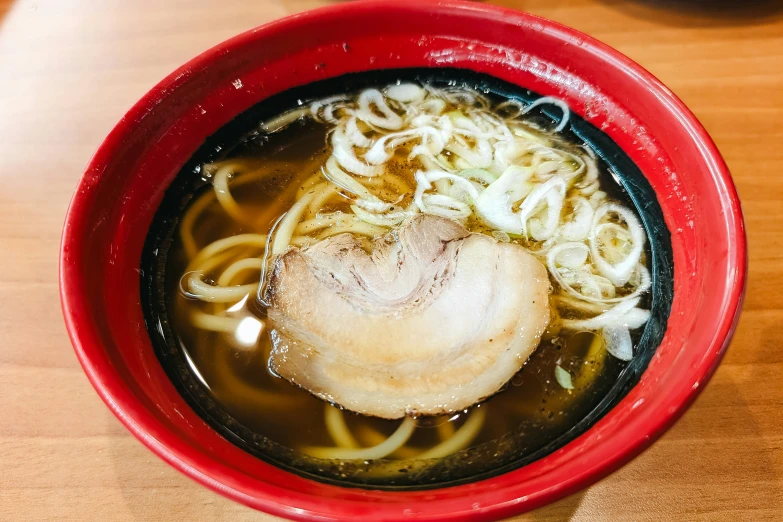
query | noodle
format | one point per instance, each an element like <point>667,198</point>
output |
<point>445,430</point>
<point>357,227</point>
<point>338,429</point>
<point>374,438</point>
<point>254,240</point>
<point>242,265</point>
<point>460,439</point>
<point>214,323</point>
<point>321,197</point>
<point>394,442</point>
<point>308,184</point>
<point>217,294</point>
<point>256,396</point>
<point>188,220</point>
<point>286,227</point>
<point>338,221</point>
<point>223,194</point>
<point>299,241</point>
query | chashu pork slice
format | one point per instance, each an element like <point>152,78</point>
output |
<point>433,320</point>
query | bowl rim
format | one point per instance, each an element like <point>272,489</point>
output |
<point>139,422</point>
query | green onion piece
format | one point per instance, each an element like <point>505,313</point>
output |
<point>563,378</point>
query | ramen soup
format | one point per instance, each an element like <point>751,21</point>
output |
<point>405,282</point>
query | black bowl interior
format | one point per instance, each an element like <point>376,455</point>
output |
<point>473,464</point>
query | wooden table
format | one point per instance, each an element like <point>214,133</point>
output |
<point>69,70</point>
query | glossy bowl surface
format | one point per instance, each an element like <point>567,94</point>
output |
<point>119,193</point>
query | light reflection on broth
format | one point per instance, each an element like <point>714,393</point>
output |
<point>226,337</point>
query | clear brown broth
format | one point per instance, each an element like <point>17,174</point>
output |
<point>533,405</point>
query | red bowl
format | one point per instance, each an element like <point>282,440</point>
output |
<point>118,195</point>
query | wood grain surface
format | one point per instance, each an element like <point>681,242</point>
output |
<point>69,69</point>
